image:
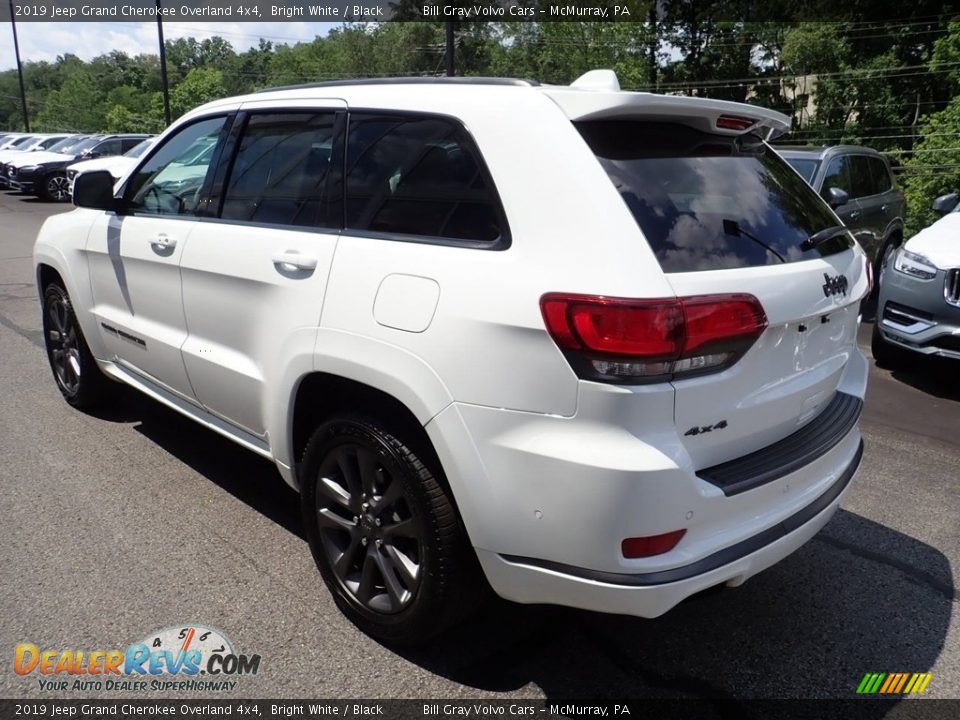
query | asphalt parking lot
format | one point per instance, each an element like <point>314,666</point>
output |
<point>116,525</point>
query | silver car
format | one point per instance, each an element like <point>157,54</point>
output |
<point>919,303</point>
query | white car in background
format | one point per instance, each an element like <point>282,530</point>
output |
<point>116,165</point>
<point>919,303</point>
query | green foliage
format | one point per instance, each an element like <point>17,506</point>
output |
<point>77,106</point>
<point>201,85</point>
<point>934,168</point>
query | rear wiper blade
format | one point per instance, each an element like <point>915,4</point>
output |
<point>732,227</point>
<point>822,236</point>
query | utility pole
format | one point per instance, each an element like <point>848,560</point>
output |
<point>23,92</point>
<point>654,46</point>
<point>163,67</point>
<point>449,53</point>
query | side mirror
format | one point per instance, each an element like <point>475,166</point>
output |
<point>837,197</point>
<point>94,190</point>
<point>946,203</point>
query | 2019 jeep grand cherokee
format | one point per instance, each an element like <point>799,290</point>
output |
<point>596,347</point>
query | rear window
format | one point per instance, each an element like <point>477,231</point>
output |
<point>706,202</point>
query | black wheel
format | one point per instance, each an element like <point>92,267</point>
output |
<point>76,372</point>
<point>886,354</point>
<point>55,188</point>
<point>384,533</point>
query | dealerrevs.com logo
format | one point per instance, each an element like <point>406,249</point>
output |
<point>182,658</point>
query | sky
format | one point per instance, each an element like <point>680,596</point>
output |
<point>45,41</point>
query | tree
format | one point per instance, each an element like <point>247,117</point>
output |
<point>934,168</point>
<point>77,106</point>
<point>201,85</point>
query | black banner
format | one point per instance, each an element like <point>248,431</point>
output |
<point>648,709</point>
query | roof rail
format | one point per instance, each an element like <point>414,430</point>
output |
<point>409,81</point>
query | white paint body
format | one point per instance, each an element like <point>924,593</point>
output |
<point>541,464</point>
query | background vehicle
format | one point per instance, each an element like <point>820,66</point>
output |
<point>482,322</point>
<point>869,202</point>
<point>116,165</point>
<point>29,143</point>
<point>919,305</point>
<point>47,176</point>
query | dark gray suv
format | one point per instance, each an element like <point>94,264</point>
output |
<point>857,183</point>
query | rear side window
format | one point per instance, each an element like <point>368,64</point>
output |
<point>418,176</point>
<point>706,202</point>
<point>280,172</point>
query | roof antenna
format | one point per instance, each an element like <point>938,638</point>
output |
<point>597,80</point>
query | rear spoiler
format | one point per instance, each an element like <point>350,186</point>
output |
<point>597,96</point>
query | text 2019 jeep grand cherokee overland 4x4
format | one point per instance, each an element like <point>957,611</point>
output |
<point>595,346</point>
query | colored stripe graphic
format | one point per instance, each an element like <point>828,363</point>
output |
<point>894,683</point>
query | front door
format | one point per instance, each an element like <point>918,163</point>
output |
<point>134,258</point>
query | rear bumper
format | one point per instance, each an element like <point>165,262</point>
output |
<point>654,593</point>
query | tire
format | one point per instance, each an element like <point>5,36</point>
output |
<point>385,534</point>
<point>883,258</point>
<point>887,355</point>
<point>55,188</point>
<point>80,381</point>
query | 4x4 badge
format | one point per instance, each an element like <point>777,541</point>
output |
<point>836,285</point>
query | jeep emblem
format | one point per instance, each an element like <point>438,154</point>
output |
<point>836,285</point>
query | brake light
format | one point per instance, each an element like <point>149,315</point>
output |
<point>639,341</point>
<point>734,122</point>
<point>641,547</point>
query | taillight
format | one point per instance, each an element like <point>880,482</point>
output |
<point>640,341</point>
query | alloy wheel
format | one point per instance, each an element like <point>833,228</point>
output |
<point>58,187</point>
<point>372,539</point>
<point>63,345</point>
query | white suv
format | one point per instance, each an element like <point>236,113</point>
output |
<point>595,347</point>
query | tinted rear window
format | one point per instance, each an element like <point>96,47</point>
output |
<point>706,202</point>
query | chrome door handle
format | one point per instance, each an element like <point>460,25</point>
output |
<point>291,261</point>
<point>854,215</point>
<point>883,208</point>
<point>164,242</point>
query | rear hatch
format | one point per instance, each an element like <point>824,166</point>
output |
<point>729,219</point>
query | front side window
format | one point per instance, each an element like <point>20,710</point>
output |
<point>881,176</point>
<point>418,176</point>
<point>280,172</point>
<point>708,202</point>
<point>861,181</point>
<point>171,180</point>
<point>805,166</point>
<point>837,176</point>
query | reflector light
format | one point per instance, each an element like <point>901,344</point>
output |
<point>733,122</point>
<point>641,547</point>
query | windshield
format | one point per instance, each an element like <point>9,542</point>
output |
<point>22,143</point>
<point>138,150</point>
<point>710,202</point>
<point>65,144</point>
<point>805,166</point>
<point>85,144</point>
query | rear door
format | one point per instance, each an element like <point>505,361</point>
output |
<point>727,216</point>
<point>254,278</point>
